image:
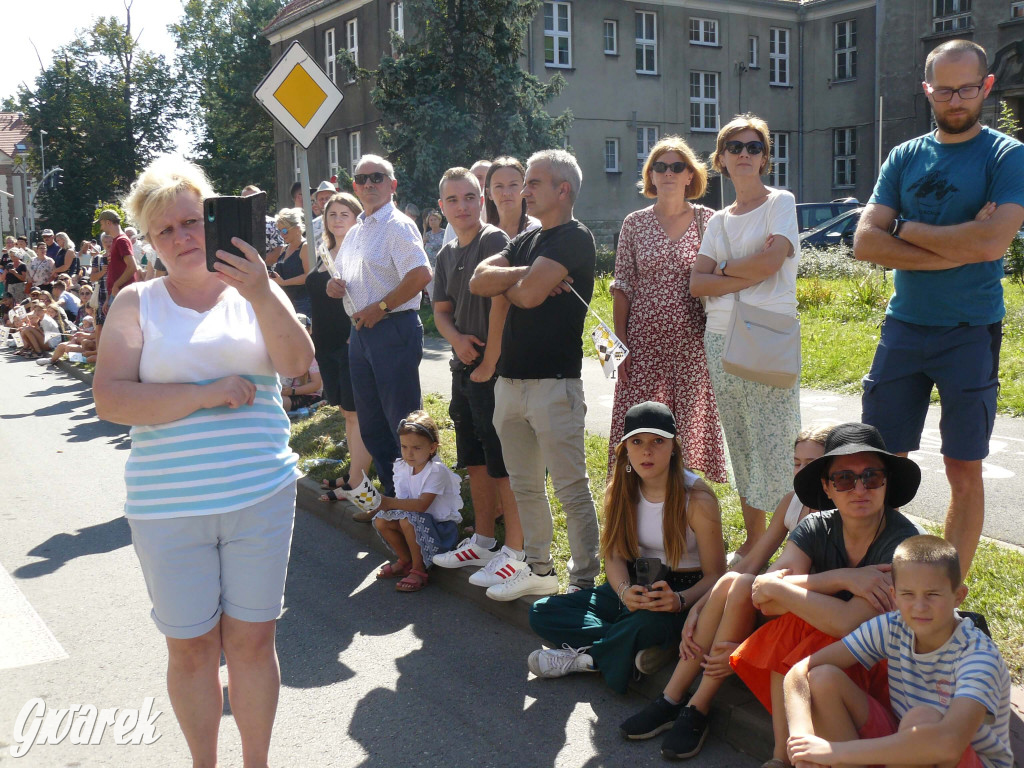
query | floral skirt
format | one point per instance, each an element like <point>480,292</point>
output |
<point>432,537</point>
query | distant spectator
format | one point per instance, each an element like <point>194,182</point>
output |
<point>66,260</point>
<point>302,391</point>
<point>41,270</point>
<point>324,192</point>
<point>275,244</point>
<point>16,274</point>
<point>85,293</point>
<point>291,270</point>
<point>121,264</point>
<point>51,245</point>
<point>66,298</point>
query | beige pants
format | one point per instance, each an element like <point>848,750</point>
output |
<point>540,423</point>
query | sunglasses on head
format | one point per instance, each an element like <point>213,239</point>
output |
<point>660,167</point>
<point>752,147</point>
<point>376,178</point>
<point>869,478</point>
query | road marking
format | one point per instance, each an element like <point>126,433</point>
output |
<point>24,637</point>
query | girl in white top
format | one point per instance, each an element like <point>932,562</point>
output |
<point>750,253</point>
<point>422,518</point>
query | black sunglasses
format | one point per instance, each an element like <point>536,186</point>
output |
<point>846,480</point>
<point>376,178</point>
<point>752,147</point>
<point>660,167</point>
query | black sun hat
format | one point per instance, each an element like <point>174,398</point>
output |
<point>844,440</point>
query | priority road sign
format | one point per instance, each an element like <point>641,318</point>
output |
<point>299,95</point>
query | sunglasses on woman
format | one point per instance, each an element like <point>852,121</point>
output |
<point>752,147</point>
<point>376,178</point>
<point>660,167</point>
<point>869,478</point>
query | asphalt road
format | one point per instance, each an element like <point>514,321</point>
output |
<point>1003,470</point>
<point>371,677</point>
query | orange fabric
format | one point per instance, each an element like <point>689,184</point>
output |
<point>781,643</point>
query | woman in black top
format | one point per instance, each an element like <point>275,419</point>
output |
<point>291,269</point>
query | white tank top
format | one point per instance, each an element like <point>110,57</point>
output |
<point>650,531</point>
<point>792,517</point>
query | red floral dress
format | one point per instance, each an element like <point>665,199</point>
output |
<point>665,337</point>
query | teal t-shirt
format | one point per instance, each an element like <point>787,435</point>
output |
<point>944,184</point>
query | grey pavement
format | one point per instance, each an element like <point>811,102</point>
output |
<point>1003,469</point>
<point>370,677</point>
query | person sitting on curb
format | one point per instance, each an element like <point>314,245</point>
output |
<point>949,688</point>
<point>657,514</point>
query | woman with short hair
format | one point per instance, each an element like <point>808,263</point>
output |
<point>291,269</point>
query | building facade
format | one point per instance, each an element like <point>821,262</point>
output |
<point>16,182</point>
<point>838,81</point>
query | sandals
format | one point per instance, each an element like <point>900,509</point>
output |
<point>414,581</point>
<point>335,483</point>
<point>331,496</point>
<point>394,570</point>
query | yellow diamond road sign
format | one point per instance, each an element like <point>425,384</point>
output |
<point>299,95</point>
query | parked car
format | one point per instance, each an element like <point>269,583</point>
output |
<point>835,231</point>
<point>813,215</point>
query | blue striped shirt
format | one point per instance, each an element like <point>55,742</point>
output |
<point>968,665</point>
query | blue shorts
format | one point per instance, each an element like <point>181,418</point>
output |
<point>961,360</point>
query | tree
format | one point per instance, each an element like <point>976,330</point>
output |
<point>108,107</point>
<point>222,48</point>
<point>455,91</point>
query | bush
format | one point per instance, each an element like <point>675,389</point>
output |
<point>831,263</point>
<point>1013,261</point>
<point>814,293</point>
<point>605,260</point>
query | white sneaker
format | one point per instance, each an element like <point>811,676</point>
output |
<point>559,662</point>
<point>572,589</point>
<point>524,582</point>
<point>502,566</point>
<point>467,553</point>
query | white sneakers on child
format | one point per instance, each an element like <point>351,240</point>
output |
<point>467,553</point>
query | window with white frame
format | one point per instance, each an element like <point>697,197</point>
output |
<point>779,175</point>
<point>752,52</point>
<point>295,162</point>
<point>778,56</point>
<point>330,57</point>
<point>703,101</point>
<point>558,34</point>
<point>355,149</point>
<point>332,157</point>
<point>845,50</point>
<point>646,138</point>
<point>844,157</point>
<point>611,156</point>
<point>703,31</point>
<point>646,43</point>
<point>352,43</point>
<point>951,15</point>
<point>398,18</point>
<point>1017,10</point>
<point>611,37</point>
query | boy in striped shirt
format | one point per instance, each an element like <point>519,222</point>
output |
<point>949,689</point>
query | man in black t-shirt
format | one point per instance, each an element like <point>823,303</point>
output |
<point>539,407</point>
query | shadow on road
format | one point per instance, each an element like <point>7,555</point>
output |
<point>65,547</point>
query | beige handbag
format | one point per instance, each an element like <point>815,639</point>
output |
<point>761,345</point>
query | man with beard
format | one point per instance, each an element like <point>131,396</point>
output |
<point>945,208</point>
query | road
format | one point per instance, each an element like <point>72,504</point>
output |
<point>1003,470</point>
<point>370,677</point>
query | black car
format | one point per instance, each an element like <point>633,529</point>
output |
<point>836,231</point>
<point>813,215</point>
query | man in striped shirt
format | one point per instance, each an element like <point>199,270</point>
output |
<point>949,689</point>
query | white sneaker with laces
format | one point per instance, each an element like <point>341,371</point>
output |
<point>559,662</point>
<point>467,553</point>
<point>502,566</point>
<point>524,582</point>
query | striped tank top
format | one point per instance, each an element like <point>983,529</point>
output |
<point>216,459</point>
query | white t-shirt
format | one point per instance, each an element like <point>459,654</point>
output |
<point>747,233</point>
<point>435,478</point>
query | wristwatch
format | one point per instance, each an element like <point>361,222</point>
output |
<point>896,226</point>
<point>721,267</point>
<point>682,601</point>
<point>384,307</point>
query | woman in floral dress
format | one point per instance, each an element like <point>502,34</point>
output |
<point>660,322</point>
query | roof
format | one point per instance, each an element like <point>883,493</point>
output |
<point>294,11</point>
<point>13,129</point>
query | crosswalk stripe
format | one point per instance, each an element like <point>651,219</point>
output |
<point>24,637</point>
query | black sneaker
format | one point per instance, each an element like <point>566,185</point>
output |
<point>687,735</point>
<point>655,718</point>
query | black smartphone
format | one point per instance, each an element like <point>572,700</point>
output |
<point>227,217</point>
<point>650,570</point>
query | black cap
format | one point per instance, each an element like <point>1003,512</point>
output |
<point>904,476</point>
<point>652,417</point>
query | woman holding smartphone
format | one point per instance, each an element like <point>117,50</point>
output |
<point>656,512</point>
<point>191,361</point>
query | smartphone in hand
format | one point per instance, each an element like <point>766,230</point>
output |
<point>227,217</point>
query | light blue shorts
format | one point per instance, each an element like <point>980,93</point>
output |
<point>198,567</point>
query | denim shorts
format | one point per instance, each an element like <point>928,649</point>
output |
<point>961,360</point>
<point>472,412</point>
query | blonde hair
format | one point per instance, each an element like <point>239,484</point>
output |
<point>293,217</point>
<point>817,432</point>
<point>747,121</point>
<point>698,184</point>
<point>159,184</point>
<point>339,198</point>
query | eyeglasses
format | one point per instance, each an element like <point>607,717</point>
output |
<point>376,178</point>
<point>965,92</point>
<point>752,147</point>
<point>660,167</point>
<point>283,230</point>
<point>869,478</point>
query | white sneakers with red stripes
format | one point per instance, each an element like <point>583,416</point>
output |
<point>503,566</point>
<point>467,553</point>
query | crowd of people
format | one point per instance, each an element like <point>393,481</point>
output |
<point>851,638</point>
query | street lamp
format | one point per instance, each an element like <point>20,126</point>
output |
<point>42,149</point>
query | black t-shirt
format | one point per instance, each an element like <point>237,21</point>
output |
<point>546,342</point>
<point>21,269</point>
<point>820,537</point>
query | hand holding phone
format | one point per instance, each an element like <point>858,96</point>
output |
<point>225,218</point>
